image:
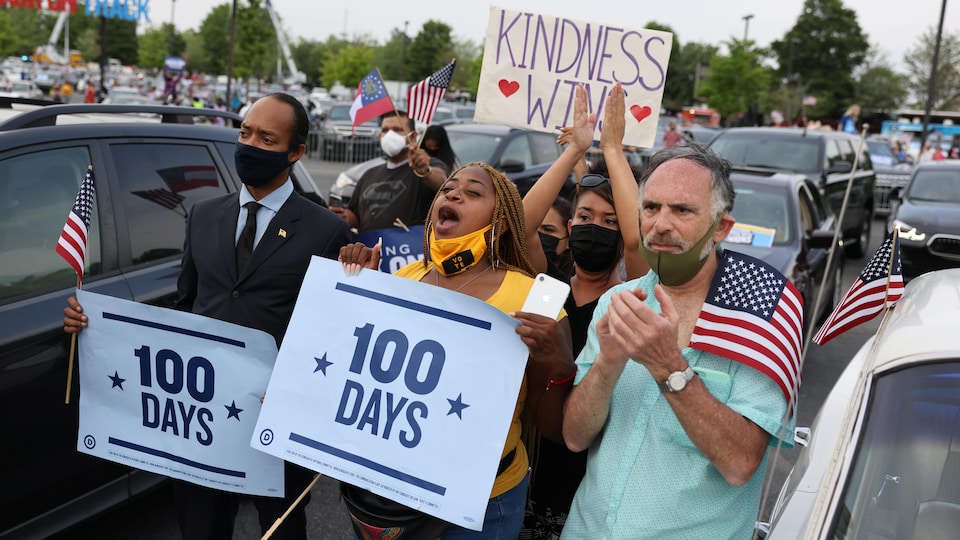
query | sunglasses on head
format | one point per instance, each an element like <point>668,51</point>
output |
<point>591,181</point>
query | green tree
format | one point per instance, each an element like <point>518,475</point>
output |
<point>391,57</point>
<point>919,61</point>
<point>9,44</point>
<point>824,48</point>
<point>430,50</point>
<point>880,90</point>
<point>214,48</point>
<point>687,70</point>
<point>154,45</point>
<point>348,65</point>
<point>736,82</point>
<point>255,48</point>
<point>467,54</point>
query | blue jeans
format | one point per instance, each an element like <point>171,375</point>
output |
<point>503,519</point>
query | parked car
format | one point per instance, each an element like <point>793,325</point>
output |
<point>783,221</point>
<point>341,141</point>
<point>21,89</point>
<point>149,172</point>
<point>825,157</point>
<point>882,454</point>
<point>522,155</point>
<point>926,214</point>
<point>891,173</point>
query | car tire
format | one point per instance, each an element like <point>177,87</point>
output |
<point>857,248</point>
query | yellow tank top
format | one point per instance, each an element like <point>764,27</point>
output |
<point>508,298</point>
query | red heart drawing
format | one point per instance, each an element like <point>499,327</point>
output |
<point>508,88</point>
<point>639,112</point>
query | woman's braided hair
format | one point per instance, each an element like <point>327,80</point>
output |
<point>509,248</point>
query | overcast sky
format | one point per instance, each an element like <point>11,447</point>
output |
<point>893,25</point>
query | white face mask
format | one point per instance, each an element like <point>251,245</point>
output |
<point>392,143</point>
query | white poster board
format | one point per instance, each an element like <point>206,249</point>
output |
<point>175,394</point>
<point>532,63</point>
<point>393,385</point>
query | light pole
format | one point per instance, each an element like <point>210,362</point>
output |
<point>746,25</point>
<point>403,52</point>
<point>170,51</point>
<point>933,76</point>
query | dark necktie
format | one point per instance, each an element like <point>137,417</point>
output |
<point>247,236</point>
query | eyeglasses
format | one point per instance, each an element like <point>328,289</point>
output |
<point>591,181</point>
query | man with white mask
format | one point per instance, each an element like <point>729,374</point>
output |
<point>400,189</point>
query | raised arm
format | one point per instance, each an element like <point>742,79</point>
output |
<point>537,201</point>
<point>624,184</point>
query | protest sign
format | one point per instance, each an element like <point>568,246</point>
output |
<point>393,385</point>
<point>175,394</point>
<point>399,248</point>
<point>533,62</point>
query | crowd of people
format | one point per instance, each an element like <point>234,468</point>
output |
<point>614,434</point>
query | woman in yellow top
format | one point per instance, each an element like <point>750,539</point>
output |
<point>476,245</point>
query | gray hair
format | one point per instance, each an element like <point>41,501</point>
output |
<point>722,193</point>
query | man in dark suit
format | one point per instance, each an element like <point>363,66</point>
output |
<point>244,259</point>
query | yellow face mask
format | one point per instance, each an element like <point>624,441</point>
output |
<point>454,255</point>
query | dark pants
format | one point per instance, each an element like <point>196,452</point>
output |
<point>209,514</point>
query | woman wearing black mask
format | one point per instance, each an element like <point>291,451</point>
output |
<point>437,144</point>
<point>555,239</point>
<point>604,228</point>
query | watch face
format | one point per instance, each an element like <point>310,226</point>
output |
<point>676,381</point>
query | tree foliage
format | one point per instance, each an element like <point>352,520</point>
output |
<point>391,57</point>
<point>691,62</point>
<point>827,46</point>
<point>155,44</point>
<point>737,82</point>
<point>430,50</point>
<point>347,66</point>
<point>214,34</point>
<point>879,89</point>
<point>919,61</point>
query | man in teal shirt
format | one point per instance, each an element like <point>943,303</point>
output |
<point>677,436</point>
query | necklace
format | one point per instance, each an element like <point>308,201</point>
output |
<point>469,281</point>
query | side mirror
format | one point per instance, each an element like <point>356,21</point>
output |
<point>820,239</point>
<point>840,167</point>
<point>512,166</point>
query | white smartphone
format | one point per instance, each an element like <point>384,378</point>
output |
<point>546,296</point>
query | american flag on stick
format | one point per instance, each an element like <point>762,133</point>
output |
<point>878,286</point>
<point>754,315</point>
<point>424,97</point>
<point>72,245</point>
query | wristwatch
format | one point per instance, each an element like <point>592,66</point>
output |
<point>677,380</point>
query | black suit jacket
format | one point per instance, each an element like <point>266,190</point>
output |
<point>263,296</point>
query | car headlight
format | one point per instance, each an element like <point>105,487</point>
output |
<point>907,232</point>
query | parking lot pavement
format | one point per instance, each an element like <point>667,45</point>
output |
<point>324,172</point>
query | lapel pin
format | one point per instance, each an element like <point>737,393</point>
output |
<point>282,233</point>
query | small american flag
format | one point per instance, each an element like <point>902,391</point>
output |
<point>72,245</point>
<point>753,315</point>
<point>424,97</point>
<point>878,286</point>
<point>163,197</point>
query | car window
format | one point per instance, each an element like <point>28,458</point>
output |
<point>903,476</point>
<point>518,149</point>
<point>832,153</point>
<point>798,155</point>
<point>161,183</point>
<point>763,207</point>
<point>943,186</point>
<point>37,192</point>
<point>544,148</point>
<point>471,147</point>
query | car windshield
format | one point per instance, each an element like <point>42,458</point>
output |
<point>797,154</point>
<point>339,113</point>
<point>943,186</point>
<point>760,207</point>
<point>905,469</point>
<point>473,146</point>
<point>881,154</point>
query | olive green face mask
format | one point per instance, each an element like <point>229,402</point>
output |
<point>677,268</point>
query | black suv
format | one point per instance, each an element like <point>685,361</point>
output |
<point>150,170</point>
<point>825,157</point>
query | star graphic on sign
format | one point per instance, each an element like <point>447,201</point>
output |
<point>117,381</point>
<point>457,406</point>
<point>322,364</point>
<point>233,411</point>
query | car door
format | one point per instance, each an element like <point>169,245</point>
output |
<point>41,467</point>
<point>817,225</point>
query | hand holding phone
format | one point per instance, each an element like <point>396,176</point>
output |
<point>546,296</point>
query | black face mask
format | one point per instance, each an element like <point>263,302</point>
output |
<point>594,248</point>
<point>257,166</point>
<point>549,243</point>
